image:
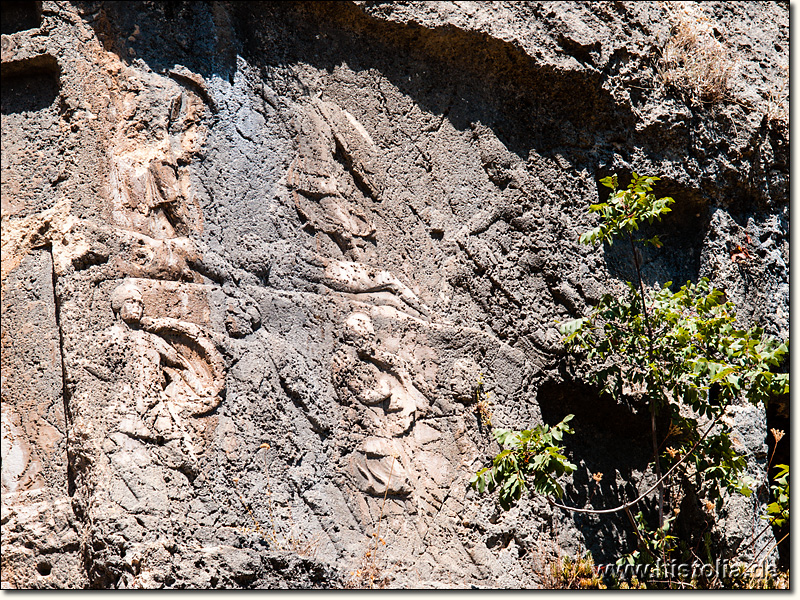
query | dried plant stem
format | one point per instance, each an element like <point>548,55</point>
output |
<point>383,504</point>
<point>625,506</point>
<point>775,545</point>
<point>246,506</point>
<point>366,575</point>
<point>269,496</point>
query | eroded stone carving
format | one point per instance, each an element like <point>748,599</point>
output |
<point>149,190</point>
<point>377,467</point>
<point>19,469</point>
<point>357,278</point>
<point>365,373</point>
<point>382,385</point>
<point>359,151</point>
<point>140,519</point>
<point>180,371</point>
<point>336,162</point>
<point>405,381</point>
<point>148,197</point>
<point>55,224</point>
<point>78,243</point>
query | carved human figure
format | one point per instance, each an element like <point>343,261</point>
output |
<point>136,432</point>
<point>179,370</point>
<point>149,187</point>
<point>380,384</point>
<point>377,379</point>
<point>336,164</point>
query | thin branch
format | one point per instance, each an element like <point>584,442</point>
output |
<point>642,542</point>
<point>641,292</point>
<point>763,531</point>
<point>606,511</point>
<point>383,504</point>
<point>755,560</point>
<point>650,341</point>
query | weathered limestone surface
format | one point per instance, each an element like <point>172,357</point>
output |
<point>255,257</point>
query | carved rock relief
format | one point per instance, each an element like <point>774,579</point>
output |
<point>19,469</point>
<point>78,243</point>
<point>407,445</point>
<point>335,174</point>
<point>407,385</point>
<point>146,388</point>
<point>164,373</point>
<point>142,397</point>
<point>377,467</point>
<point>149,188</point>
<point>178,370</point>
<point>363,283</point>
<point>150,206</point>
<point>148,197</point>
<point>366,374</point>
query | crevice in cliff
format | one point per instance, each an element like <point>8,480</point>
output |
<point>65,392</point>
<point>683,231</point>
<point>600,425</point>
<point>30,85</point>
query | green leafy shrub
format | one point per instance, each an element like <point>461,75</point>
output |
<point>529,458</point>
<point>695,359</point>
<point>678,354</point>
<point>778,511</point>
<point>653,544</point>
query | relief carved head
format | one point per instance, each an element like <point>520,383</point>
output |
<point>127,303</point>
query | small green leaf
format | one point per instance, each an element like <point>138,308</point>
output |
<point>610,182</point>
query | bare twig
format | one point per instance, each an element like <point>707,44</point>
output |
<point>755,560</point>
<point>380,517</point>
<point>627,505</point>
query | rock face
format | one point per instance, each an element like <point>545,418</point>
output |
<point>256,256</point>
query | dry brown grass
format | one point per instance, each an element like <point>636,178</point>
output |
<point>760,581</point>
<point>483,404</point>
<point>370,573</point>
<point>700,66</point>
<point>278,540</point>
<point>777,101</point>
<point>694,62</point>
